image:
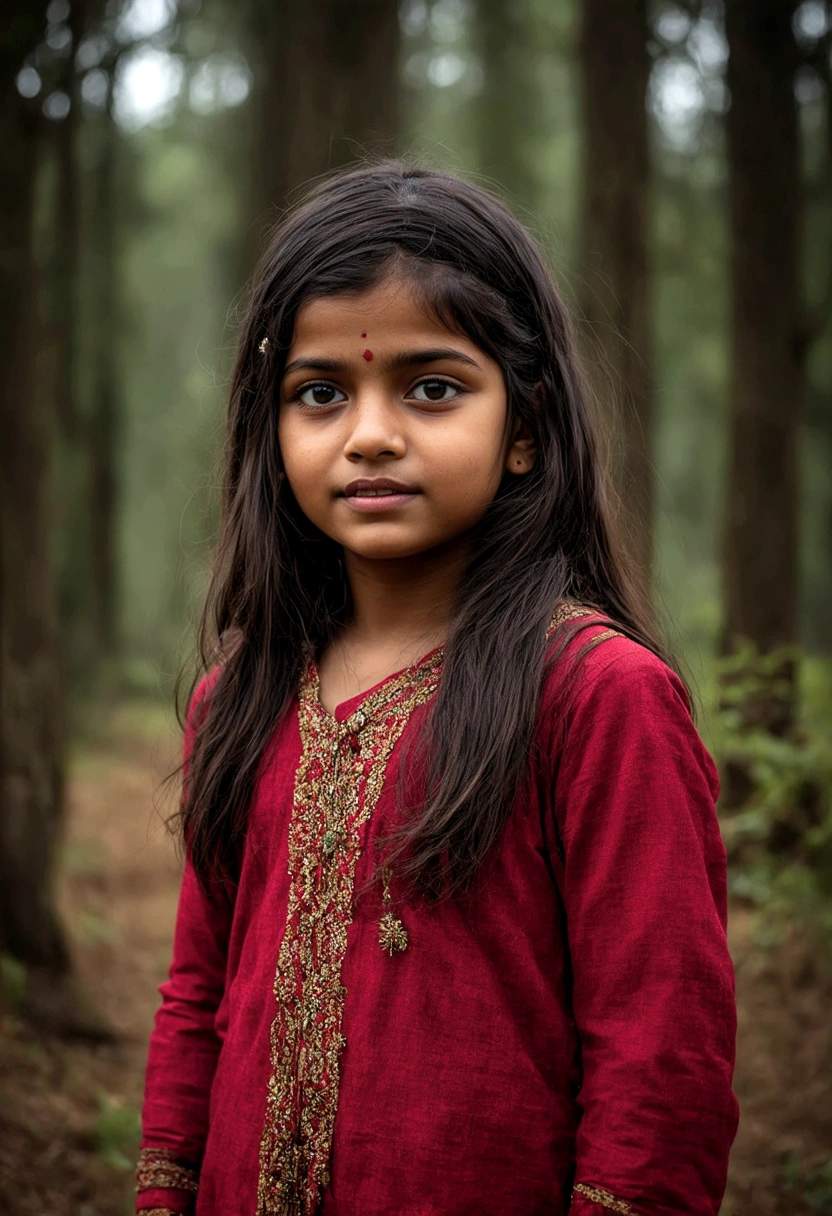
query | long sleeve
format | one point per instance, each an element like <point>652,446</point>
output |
<point>184,1048</point>
<point>644,889</point>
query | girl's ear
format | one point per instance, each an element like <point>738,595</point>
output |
<point>521,453</point>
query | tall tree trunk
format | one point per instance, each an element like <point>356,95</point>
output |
<point>75,582</point>
<point>823,319</point>
<point>361,115</point>
<point>767,375</point>
<point>31,702</point>
<point>507,104</point>
<point>67,235</point>
<point>616,298</point>
<point>31,726</point>
<point>103,427</point>
<point>327,93</point>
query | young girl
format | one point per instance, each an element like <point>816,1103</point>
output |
<point>451,937</point>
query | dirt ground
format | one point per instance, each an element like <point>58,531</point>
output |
<point>69,1113</point>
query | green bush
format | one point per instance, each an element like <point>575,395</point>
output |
<point>116,1133</point>
<point>813,1186</point>
<point>779,840</point>
<point>12,983</point>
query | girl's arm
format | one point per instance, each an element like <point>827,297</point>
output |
<point>183,1045</point>
<point>644,887</point>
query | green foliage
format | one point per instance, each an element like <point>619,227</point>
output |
<point>84,859</point>
<point>92,927</point>
<point>779,840</point>
<point>12,983</point>
<point>116,1133</point>
<point>814,1186</point>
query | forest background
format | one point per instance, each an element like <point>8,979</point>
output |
<point>675,160</point>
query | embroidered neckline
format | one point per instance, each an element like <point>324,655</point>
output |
<point>374,700</point>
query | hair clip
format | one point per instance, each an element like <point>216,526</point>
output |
<point>264,346</point>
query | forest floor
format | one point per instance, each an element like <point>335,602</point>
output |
<point>69,1112</point>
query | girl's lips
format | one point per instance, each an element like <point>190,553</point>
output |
<point>373,494</point>
<point>370,503</point>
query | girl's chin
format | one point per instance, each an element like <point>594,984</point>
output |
<point>389,549</point>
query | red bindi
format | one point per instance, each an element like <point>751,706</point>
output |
<point>364,335</point>
<point>368,354</point>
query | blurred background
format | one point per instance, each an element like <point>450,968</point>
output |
<point>675,160</point>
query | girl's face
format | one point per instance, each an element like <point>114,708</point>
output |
<point>393,429</point>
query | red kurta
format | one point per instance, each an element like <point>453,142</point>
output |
<point>559,1040</point>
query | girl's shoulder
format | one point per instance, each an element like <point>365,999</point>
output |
<point>201,693</point>
<point>200,697</point>
<point>613,711</point>
<point>595,669</point>
<point>198,706</point>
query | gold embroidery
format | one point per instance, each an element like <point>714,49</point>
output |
<point>604,1199</point>
<point>602,637</point>
<point>564,611</point>
<point>163,1169</point>
<point>337,785</point>
<point>392,935</point>
<point>157,1212</point>
<point>571,612</point>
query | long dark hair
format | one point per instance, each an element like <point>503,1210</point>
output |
<point>278,592</point>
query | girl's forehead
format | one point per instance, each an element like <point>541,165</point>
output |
<point>382,327</point>
<point>386,312</point>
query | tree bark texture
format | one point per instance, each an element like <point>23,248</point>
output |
<point>507,106</point>
<point>75,568</point>
<point>768,343</point>
<point>767,371</point>
<point>105,414</point>
<point>31,716</point>
<point>327,91</point>
<point>767,368</point>
<point>616,301</point>
<point>68,230</point>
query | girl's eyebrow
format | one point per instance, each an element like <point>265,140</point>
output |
<point>405,359</point>
<point>434,355</point>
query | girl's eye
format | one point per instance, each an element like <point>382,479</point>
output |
<point>435,391</point>
<point>320,394</point>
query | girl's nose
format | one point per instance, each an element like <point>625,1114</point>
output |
<point>376,430</point>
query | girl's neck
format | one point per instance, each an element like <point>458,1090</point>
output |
<point>409,598</point>
<point>401,612</point>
